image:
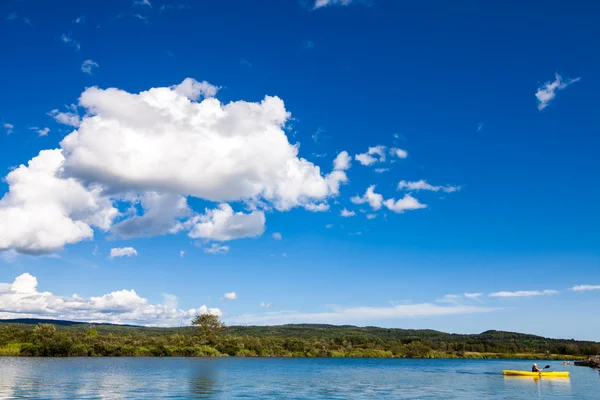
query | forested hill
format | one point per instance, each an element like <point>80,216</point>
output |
<point>488,341</point>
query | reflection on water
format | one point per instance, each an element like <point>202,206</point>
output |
<point>181,378</point>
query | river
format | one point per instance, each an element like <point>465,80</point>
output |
<point>278,378</point>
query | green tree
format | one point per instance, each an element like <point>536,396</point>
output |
<point>210,327</point>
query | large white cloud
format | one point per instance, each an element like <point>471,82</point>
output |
<point>21,299</point>
<point>547,92</point>
<point>44,210</point>
<point>160,140</point>
<point>157,147</point>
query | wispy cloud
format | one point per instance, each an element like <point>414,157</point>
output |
<point>216,249</point>
<point>141,17</point>
<point>67,39</point>
<point>524,293</point>
<point>547,92</point>
<point>480,126</point>
<point>142,3</point>
<point>277,236</point>
<point>360,315</point>
<point>79,20</point>
<point>88,65</point>
<point>246,63</point>
<point>423,185</point>
<point>307,45</point>
<point>9,128</point>
<point>41,131</point>
<point>326,3</point>
<point>585,288</point>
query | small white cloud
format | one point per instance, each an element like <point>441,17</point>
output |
<point>342,162</point>
<point>11,16</point>
<point>480,126</point>
<point>88,65</point>
<point>229,296</point>
<point>371,216</point>
<point>321,207</point>
<point>70,117</point>
<point>9,128</point>
<point>123,252</point>
<point>216,249</point>
<point>368,157</point>
<point>277,236</point>
<point>222,224</point>
<point>547,92</point>
<point>67,39</point>
<point>329,226</point>
<point>374,199</point>
<point>423,185</point>
<point>181,253</point>
<point>381,170</point>
<point>40,131</point>
<point>473,295</point>
<point>265,305</point>
<point>450,299</point>
<point>398,153</point>
<point>246,63</point>
<point>524,293</point>
<point>283,254</point>
<point>142,3</point>
<point>585,288</point>
<point>406,203</point>
<point>326,3</point>
<point>79,20</point>
<point>194,90</point>
<point>347,213</point>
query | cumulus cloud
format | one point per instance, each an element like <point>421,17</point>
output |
<point>43,210</point>
<point>21,299</point>
<point>277,236</point>
<point>216,249</point>
<point>123,252</point>
<point>375,200</point>
<point>229,296</point>
<point>371,216</point>
<point>265,305</point>
<point>373,155</point>
<point>223,224</point>
<point>342,162</point>
<point>217,152</point>
<point>181,253</point>
<point>423,185</point>
<point>360,315</point>
<point>406,203</point>
<point>585,288</point>
<point>8,128</point>
<point>398,153</point>
<point>524,293</point>
<point>88,65</point>
<point>547,92</point>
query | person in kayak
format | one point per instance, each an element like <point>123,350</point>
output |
<point>535,368</point>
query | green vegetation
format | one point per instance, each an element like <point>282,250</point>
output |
<point>210,338</point>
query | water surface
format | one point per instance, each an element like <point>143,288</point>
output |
<point>268,378</point>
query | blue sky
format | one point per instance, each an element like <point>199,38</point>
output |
<point>479,118</point>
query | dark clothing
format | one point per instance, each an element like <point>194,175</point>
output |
<point>535,369</point>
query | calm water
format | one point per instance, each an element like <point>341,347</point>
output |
<point>227,378</point>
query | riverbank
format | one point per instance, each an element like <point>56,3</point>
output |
<point>89,340</point>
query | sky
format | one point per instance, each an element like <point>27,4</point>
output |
<point>377,163</point>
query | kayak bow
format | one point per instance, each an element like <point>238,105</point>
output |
<point>556,374</point>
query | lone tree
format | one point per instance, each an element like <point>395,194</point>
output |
<point>210,327</point>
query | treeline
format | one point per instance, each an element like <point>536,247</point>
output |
<point>210,338</point>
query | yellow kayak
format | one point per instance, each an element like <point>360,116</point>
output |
<point>545,374</point>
